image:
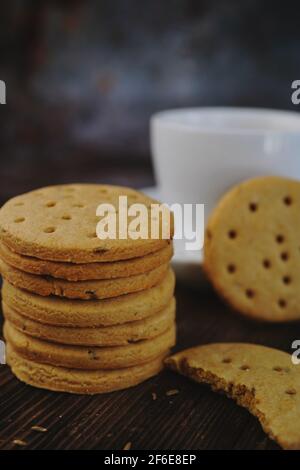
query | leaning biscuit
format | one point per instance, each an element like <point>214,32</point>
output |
<point>61,379</point>
<point>89,358</point>
<point>262,379</point>
<point>251,252</point>
<point>102,289</point>
<point>87,271</point>
<point>58,223</point>
<point>116,335</point>
<point>94,313</point>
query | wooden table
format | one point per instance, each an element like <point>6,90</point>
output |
<point>195,418</point>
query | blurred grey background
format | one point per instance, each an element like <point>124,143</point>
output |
<point>83,78</point>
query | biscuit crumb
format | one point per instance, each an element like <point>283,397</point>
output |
<point>154,396</point>
<point>39,428</point>
<point>127,446</point>
<point>170,393</point>
<point>19,442</point>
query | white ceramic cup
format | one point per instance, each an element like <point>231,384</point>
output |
<point>200,153</point>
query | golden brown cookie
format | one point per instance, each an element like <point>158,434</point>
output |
<point>80,313</point>
<point>116,335</point>
<point>58,223</point>
<point>251,252</point>
<point>83,357</point>
<point>262,379</point>
<point>89,382</point>
<point>87,271</point>
<point>102,289</point>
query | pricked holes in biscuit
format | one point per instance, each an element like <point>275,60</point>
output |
<point>287,200</point>
<point>49,230</point>
<point>51,204</point>
<point>66,217</point>
<point>253,207</point>
<point>250,293</point>
<point>92,235</point>
<point>18,220</point>
<point>78,204</point>
<point>291,391</point>
<point>282,303</point>
<point>231,268</point>
<point>232,234</point>
<point>99,250</point>
<point>17,204</point>
<point>284,256</point>
<point>279,238</point>
<point>227,360</point>
<point>245,367</point>
<point>208,234</point>
<point>281,369</point>
<point>286,280</point>
<point>266,263</point>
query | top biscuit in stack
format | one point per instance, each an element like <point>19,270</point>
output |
<point>49,244</point>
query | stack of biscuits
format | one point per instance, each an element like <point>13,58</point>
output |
<point>84,314</point>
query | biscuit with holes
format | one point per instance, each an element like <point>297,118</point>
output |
<point>102,289</point>
<point>58,223</point>
<point>116,335</point>
<point>251,252</point>
<point>61,379</point>
<point>94,313</point>
<point>263,380</point>
<point>87,271</point>
<point>89,358</point>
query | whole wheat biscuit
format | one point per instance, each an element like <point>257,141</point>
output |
<point>251,252</point>
<point>82,357</point>
<point>89,382</point>
<point>94,313</point>
<point>58,223</point>
<point>116,335</point>
<point>87,271</point>
<point>262,379</point>
<point>102,289</point>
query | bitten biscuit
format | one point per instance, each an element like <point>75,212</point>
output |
<point>262,379</point>
<point>116,335</point>
<point>87,271</point>
<point>102,289</point>
<point>251,252</point>
<point>83,357</point>
<point>80,313</point>
<point>58,223</point>
<point>61,379</point>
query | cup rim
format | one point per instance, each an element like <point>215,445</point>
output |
<point>185,119</point>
